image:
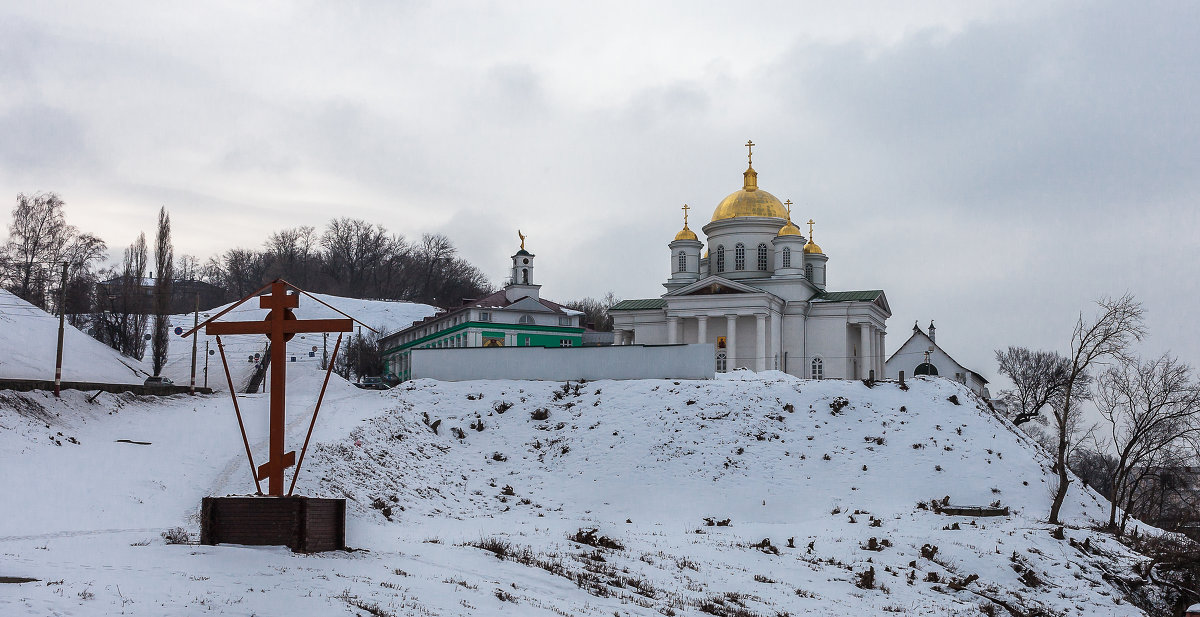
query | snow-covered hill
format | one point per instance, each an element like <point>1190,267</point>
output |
<point>747,495</point>
<point>29,339</point>
<point>382,315</point>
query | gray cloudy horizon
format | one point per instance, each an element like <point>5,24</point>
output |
<point>993,166</point>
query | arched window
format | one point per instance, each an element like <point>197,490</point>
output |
<point>720,258</point>
<point>762,257</point>
<point>722,363</point>
<point>682,261</point>
<point>808,274</point>
<point>787,257</point>
<point>526,319</point>
<point>524,277</point>
<point>739,256</point>
<point>818,368</point>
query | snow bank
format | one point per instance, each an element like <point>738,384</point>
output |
<point>747,495</point>
<point>29,340</point>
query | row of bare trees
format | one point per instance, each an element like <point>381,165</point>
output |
<point>39,241</point>
<point>354,258</point>
<point>1150,412</point>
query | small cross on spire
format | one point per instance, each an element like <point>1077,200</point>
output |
<point>810,224</point>
<point>788,203</point>
<point>685,209</point>
<point>750,151</point>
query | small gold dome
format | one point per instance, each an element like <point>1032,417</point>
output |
<point>685,234</point>
<point>750,201</point>
<point>789,230</point>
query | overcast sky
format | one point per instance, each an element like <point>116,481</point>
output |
<point>992,166</point>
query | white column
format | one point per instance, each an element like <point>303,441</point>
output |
<point>882,360</point>
<point>702,328</point>
<point>775,350</point>
<point>672,330</point>
<point>864,350</point>
<point>760,342</point>
<point>730,341</point>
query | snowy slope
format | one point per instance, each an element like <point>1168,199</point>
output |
<point>28,344</point>
<point>643,462</point>
<point>382,315</point>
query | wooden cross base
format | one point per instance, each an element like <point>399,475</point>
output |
<point>303,524</point>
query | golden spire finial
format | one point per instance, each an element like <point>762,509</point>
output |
<point>685,209</point>
<point>750,152</point>
<point>810,224</point>
<point>788,203</point>
<point>522,237</point>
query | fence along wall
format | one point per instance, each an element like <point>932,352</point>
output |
<point>694,361</point>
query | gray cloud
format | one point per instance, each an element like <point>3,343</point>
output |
<point>991,167</point>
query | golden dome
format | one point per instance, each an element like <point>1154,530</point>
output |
<point>789,230</point>
<point>685,234</point>
<point>750,201</point>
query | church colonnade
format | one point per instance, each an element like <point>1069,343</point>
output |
<point>868,351</point>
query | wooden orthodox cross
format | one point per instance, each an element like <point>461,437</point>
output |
<point>280,326</point>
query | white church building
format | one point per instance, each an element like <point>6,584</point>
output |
<point>759,295</point>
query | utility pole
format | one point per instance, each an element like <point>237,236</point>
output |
<point>62,317</point>
<point>325,353</point>
<point>206,363</point>
<point>195,324</point>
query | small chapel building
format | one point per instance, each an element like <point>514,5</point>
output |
<point>516,316</point>
<point>759,295</point>
<point>921,355</point>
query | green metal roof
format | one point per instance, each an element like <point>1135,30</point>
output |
<point>869,295</point>
<point>639,305</point>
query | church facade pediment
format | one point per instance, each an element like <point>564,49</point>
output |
<point>714,285</point>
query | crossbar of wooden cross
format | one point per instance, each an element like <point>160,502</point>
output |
<point>279,326</point>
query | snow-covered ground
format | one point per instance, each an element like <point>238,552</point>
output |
<point>648,464</point>
<point>29,339</point>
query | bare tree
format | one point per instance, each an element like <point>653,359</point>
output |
<point>164,263</point>
<point>187,268</point>
<point>1150,407</point>
<point>37,234</point>
<point>1105,337</point>
<point>595,312</point>
<point>1039,376</point>
<point>121,312</point>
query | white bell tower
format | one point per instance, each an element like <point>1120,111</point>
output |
<point>521,283</point>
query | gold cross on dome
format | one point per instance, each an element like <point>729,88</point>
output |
<point>750,151</point>
<point>522,237</point>
<point>788,203</point>
<point>685,209</point>
<point>810,224</point>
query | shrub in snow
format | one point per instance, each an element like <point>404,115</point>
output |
<point>176,535</point>
<point>838,404</point>
<point>540,413</point>
<point>501,406</point>
<point>590,538</point>
<point>866,580</point>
